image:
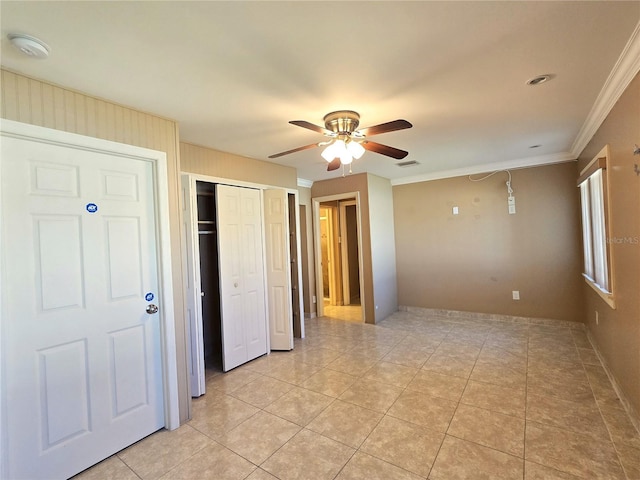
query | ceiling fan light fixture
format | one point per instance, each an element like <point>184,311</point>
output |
<point>334,150</point>
<point>355,149</point>
<point>346,158</point>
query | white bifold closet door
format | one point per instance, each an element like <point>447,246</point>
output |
<point>242,282</point>
<point>276,220</point>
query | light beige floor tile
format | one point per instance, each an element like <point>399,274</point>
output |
<point>293,371</point>
<point>568,386</point>
<point>262,391</point>
<point>346,423</point>
<point>391,373</point>
<point>450,364</point>
<point>574,453</point>
<point>426,342</point>
<point>405,355</point>
<point>329,382</point>
<point>461,349</point>
<point>214,461</point>
<point>491,429</point>
<point>308,455</point>
<point>371,350</point>
<point>581,339</point>
<point>459,459</point>
<point>371,394</point>
<point>230,381</point>
<point>589,356</point>
<point>498,356</point>
<point>267,362</point>
<point>365,467</point>
<point>580,417</point>
<point>630,459</point>
<point>404,444</point>
<point>497,374</point>
<point>351,364</point>
<point>497,398</point>
<point>438,385</point>
<point>600,384</point>
<point>555,366</point>
<point>317,356</point>
<point>219,417</point>
<point>620,426</point>
<point>299,405</point>
<point>155,455</point>
<point>533,471</point>
<point>259,474</point>
<point>111,468</point>
<point>421,409</point>
<point>257,438</point>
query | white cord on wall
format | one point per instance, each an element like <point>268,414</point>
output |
<point>511,200</point>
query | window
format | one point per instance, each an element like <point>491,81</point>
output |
<point>595,225</point>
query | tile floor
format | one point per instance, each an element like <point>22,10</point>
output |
<point>413,397</point>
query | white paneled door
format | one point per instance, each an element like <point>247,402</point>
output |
<point>242,290</point>
<point>276,220</point>
<point>81,333</point>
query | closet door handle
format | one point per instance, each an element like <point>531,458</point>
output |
<point>235,284</point>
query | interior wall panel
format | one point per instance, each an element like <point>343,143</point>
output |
<point>206,161</point>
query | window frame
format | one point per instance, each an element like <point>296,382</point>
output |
<point>594,188</point>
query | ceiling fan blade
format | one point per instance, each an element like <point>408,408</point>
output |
<point>334,164</point>
<point>306,147</point>
<point>384,149</point>
<point>311,126</point>
<point>385,127</point>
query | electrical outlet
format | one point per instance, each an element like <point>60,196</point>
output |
<point>516,294</point>
<point>314,299</point>
<point>455,210</point>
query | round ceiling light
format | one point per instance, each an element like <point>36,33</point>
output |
<point>30,46</point>
<point>539,79</point>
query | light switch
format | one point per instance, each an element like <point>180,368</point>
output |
<point>455,210</point>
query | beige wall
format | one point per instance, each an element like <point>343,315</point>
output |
<point>617,333</point>
<point>306,240</point>
<point>355,183</point>
<point>206,161</point>
<point>383,246</point>
<point>32,101</point>
<point>474,260</point>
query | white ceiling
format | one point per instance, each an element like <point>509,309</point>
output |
<point>234,73</point>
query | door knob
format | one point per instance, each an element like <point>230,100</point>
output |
<point>151,309</point>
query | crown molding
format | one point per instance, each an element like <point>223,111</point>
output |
<point>624,71</point>
<point>303,182</point>
<point>489,167</point>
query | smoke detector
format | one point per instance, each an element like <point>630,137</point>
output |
<point>30,46</point>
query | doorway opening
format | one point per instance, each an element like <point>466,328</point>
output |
<point>209,275</point>
<point>338,257</point>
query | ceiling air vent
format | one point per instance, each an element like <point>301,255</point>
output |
<point>408,163</point>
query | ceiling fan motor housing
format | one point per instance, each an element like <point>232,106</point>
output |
<point>342,121</point>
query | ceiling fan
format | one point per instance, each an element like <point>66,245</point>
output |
<point>345,142</point>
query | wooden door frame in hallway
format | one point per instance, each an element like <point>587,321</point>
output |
<point>316,201</point>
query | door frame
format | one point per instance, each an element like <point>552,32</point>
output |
<point>316,201</point>
<point>331,254</point>
<point>158,159</point>
<point>189,262</point>
<point>344,247</point>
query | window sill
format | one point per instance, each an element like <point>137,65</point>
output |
<point>606,296</point>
